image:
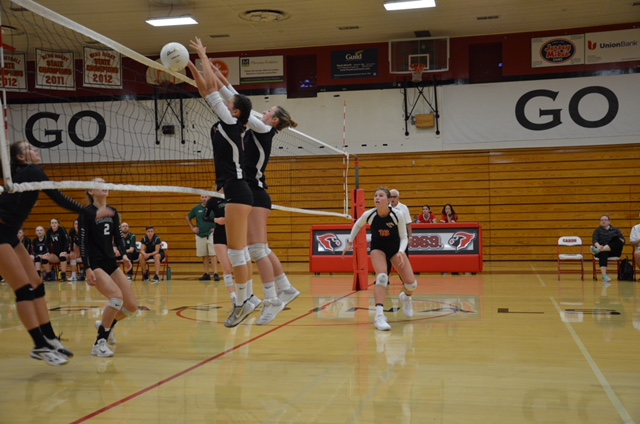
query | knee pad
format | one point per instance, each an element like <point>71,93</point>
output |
<point>258,251</point>
<point>127,312</point>
<point>73,262</point>
<point>236,257</point>
<point>37,259</point>
<point>44,261</point>
<point>411,286</point>
<point>63,259</point>
<point>38,292</point>
<point>382,280</point>
<point>115,303</point>
<point>247,256</point>
<point>24,294</point>
<point>228,280</point>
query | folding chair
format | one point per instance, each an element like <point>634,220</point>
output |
<point>570,256</point>
<point>612,260</point>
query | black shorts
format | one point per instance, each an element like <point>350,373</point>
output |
<point>134,256</point>
<point>261,198</point>
<point>389,249</point>
<point>220,235</point>
<point>107,265</point>
<point>9,235</point>
<point>238,191</point>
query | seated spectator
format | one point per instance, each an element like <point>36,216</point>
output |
<point>426,217</point>
<point>40,252</point>
<point>448,214</point>
<point>635,240</point>
<point>74,256</point>
<point>26,242</point>
<point>130,243</point>
<point>608,241</point>
<point>151,249</point>
<point>58,241</point>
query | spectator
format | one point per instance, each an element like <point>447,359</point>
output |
<point>608,241</point>
<point>74,256</point>
<point>26,242</point>
<point>426,217</point>
<point>40,253</point>
<point>131,249</point>
<point>58,241</point>
<point>404,210</point>
<point>635,240</point>
<point>151,249</point>
<point>448,214</point>
<point>204,239</point>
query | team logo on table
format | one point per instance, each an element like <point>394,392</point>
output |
<point>461,240</point>
<point>329,242</point>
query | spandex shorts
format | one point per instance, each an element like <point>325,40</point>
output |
<point>238,191</point>
<point>220,235</point>
<point>261,198</point>
<point>389,249</point>
<point>107,265</point>
<point>8,235</point>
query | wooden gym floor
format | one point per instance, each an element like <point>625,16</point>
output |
<point>503,346</point>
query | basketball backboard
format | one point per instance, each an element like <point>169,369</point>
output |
<point>432,52</point>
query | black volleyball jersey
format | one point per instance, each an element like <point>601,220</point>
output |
<point>98,236</point>
<point>215,208</point>
<point>58,240</point>
<point>387,229</point>
<point>39,246</point>
<point>257,151</point>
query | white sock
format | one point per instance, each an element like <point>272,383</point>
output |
<point>282,282</point>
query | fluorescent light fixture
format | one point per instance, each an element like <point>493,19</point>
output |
<point>408,4</point>
<point>168,21</point>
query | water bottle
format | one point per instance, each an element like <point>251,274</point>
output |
<point>169,274</point>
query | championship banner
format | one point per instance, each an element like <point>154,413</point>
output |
<point>559,109</point>
<point>557,51</point>
<point>14,77</point>
<point>102,68</point>
<point>613,46</point>
<point>261,69</point>
<point>55,70</point>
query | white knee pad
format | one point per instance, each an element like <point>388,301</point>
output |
<point>236,257</point>
<point>73,262</point>
<point>247,256</point>
<point>382,280</point>
<point>127,312</point>
<point>258,251</point>
<point>115,303</point>
<point>411,287</point>
<point>228,280</point>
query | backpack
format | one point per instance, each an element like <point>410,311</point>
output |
<point>625,270</point>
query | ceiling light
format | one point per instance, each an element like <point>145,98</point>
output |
<point>169,21</point>
<point>408,4</point>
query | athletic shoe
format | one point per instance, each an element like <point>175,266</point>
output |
<point>256,301</point>
<point>381,323</point>
<point>239,313</point>
<point>155,278</point>
<point>130,278</point>
<point>270,310</point>
<point>49,356</point>
<point>595,250</point>
<point>101,349</point>
<point>216,277</point>
<point>145,276</point>
<point>407,305</point>
<point>205,277</point>
<point>606,278</point>
<point>289,295</point>
<point>73,278</point>
<point>112,334</point>
<point>63,276</point>
<point>59,347</point>
<point>81,277</point>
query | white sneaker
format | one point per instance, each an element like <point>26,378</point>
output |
<point>112,334</point>
<point>289,295</point>
<point>49,356</point>
<point>101,349</point>
<point>59,347</point>
<point>381,323</point>
<point>255,301</point>
<point>407,305</point>
<point>270,310</point>
<point>239,313</point>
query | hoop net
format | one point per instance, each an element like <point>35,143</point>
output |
<point>125,116</point>
<point>416,71</point>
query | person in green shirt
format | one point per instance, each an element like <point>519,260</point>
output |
<point>204,239</point>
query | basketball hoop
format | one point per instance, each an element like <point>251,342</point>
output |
<point>416,71</point>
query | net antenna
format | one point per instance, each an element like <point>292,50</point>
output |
<point>100,127</point>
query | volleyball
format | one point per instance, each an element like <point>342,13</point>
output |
<point>174,56</point>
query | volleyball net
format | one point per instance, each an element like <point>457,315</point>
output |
<point>94,107</point>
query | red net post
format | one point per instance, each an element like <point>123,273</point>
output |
<point>360,255</point>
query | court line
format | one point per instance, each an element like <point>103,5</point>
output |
<point>195,367</point>
<point>537,275</point>
<point>626,418</point>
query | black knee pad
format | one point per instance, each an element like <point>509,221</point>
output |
<point>63,259</point>
<point>38,292</point>
<point>24,294</point>
<point>44,261</point>
<point>37,259</point>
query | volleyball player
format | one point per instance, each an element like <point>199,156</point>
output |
<point>58,240</point>
<point>226,136</point>
<point>257,150</point>
<point>16,265</point>
<point>388,241</point>
<point>97,238</point>
<point>40,251</point>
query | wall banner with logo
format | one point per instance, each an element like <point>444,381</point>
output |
<point>346,64</point>
<point>102,68</point>
<point>261,69</point>
<point>55,70</point>
<point>557,51</point>
<point>613,46</point>
<point>570,108</point>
